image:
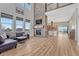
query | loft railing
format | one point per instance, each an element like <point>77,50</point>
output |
<point>56,6</point>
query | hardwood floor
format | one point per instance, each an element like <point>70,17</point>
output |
<point>60,45</point>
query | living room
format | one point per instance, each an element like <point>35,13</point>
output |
<point>31,31</point>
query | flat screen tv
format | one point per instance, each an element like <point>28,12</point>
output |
<point>39,21</point>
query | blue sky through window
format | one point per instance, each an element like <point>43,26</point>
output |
<point>6,23</point>
<point>19,24</point>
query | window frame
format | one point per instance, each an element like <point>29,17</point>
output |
<point>27,21</point>
<point>19,19</point>
<point>6,18</point>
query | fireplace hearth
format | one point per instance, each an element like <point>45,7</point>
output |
<point>38,31</point>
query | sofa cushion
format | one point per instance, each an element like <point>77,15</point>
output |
<point>8,44</point>
<point>18,34</point>
<point>8,41</point>
<point>1,40</point>
<point>21,37</point>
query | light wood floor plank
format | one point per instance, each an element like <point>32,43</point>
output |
<point>59,45</point>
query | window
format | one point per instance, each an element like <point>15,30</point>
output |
<point>27,25</point>
<point>28,6</point>
<point>20,7</point>
<point>19,24</point>
<point>6,22</point>
<point>24,5</point>
<point>62,28</point>
<point>19,11</point>
<point>21,4</point>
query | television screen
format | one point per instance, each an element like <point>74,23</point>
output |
<point>39,21</point>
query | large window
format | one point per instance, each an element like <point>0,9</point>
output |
<point>28,6</point>
<point>19,24</point>
<point>27,25</point>
<point>20,7</point>
<point>6,22</point>
<point>24,5</point>
<point>62,28</point>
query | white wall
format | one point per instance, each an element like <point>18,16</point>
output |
<point>72,22</point>
<point>77,24</point>
<point>7,8</point>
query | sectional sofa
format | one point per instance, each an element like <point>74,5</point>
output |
<point>6,43</point>
<point>20,36</point>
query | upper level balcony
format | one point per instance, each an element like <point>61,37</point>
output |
<point>53,6</point>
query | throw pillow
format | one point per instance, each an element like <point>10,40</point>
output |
<point>1,40</point>
<point>3,35</point>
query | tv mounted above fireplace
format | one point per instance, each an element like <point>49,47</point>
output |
<point>39,21</point>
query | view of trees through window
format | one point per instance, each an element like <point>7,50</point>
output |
<point>6,24</point>
<point>7,21</point>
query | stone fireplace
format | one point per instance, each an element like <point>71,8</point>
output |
<point>38,32</point>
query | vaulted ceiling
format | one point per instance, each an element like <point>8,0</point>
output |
<point>62,14</point>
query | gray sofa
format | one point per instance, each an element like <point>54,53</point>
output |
<point>20,36</point>
<point>6,43</point>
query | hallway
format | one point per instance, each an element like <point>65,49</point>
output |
<point>46,46</point>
